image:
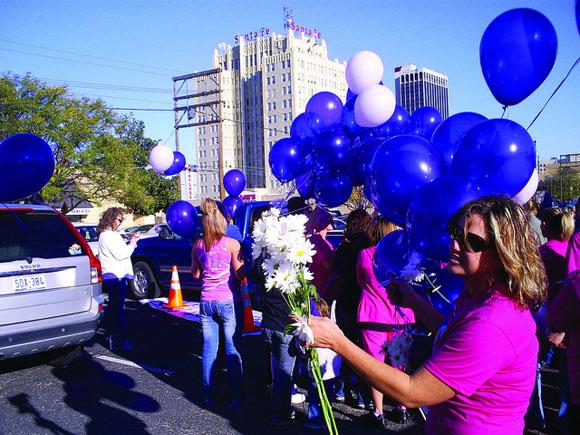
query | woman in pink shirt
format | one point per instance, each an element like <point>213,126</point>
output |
<point>481,374</point>
<point>378,318</point>
<point>217,259</point>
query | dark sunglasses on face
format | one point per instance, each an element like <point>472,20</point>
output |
<point>470,242</point>
<point>120,220</point>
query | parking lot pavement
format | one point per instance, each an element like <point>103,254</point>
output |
<point>154,389</point>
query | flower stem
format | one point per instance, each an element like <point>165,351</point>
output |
<point>435,289</point>
<point>324,402</point>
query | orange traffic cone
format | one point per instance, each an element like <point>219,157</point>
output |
<point>249,325</point>
<point>175,298</point>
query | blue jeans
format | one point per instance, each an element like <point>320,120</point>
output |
<point>214,314</point>
<point>278,343</point>
<point>315,415</point>
<point>115,313</point>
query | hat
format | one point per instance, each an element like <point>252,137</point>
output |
<point>318,220</point>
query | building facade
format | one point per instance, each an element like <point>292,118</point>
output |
<point>264,81</point>
<point>420,87</point>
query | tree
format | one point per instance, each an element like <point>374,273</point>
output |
<point>359,200</point>
<point>564,185</point>
<point>102,154</point>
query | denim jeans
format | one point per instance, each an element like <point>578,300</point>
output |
<point>115,313</point>
<point>214,314</point>
<point>278,342</point>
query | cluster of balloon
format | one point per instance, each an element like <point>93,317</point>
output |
<point>26,166</point>
<point>165,161</point>
<point>419,171</point>
<point>234,184</point>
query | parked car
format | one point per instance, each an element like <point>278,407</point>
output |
<point>50,284</point>
<point>89,232</point>
<point>154,257</point>
<point>151,231</point>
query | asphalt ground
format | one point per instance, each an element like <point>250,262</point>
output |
<point>153,389</point>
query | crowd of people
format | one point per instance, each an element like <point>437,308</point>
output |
<point>519,310</point>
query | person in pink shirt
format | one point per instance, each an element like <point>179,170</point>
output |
<point>573,255</point>
<point>318,225</point>
<point>378,318</point>
<point>565,316</point>
<point>481,374</point>
<point>217,260</point>
<point>557,226</point>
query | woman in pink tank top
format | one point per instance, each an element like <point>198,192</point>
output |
<point>217,260</point>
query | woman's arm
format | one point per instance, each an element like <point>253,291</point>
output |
<point>237,260</point>
<point>195,266</point>
<point>418,389</point>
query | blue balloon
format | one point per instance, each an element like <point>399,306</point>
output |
<point>391,256</point>
<point>350,95</point>
<point>517,52</point>
<point>399,123</point>
<point>232,205</point>
<point>327,106</point>
<point>305,184</point>
<point>26,165</point>
<point>362,161</point>
<point>432,207</point>
<point>499,155</point>
<point>424,121</point>
<point>287,159</point>
<point>448,288</point>
<point>182,219</point>
<point>578,15</point>
<point>332,148</point>
<point>401,166</point>
<point>234,182</point>
<point>348,121</point>
<point>301,130</point>
<point>177,165</point>
<point>449,133</point>
<point>332,189</point>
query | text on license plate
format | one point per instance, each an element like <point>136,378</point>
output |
<point>30,282</point>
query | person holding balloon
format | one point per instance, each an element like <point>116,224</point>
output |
<point>217,260</point>
<point>481,374</point>
<point>378,317</point>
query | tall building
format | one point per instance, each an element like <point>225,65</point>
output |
<point>247,102</point>
<point>420,87</point>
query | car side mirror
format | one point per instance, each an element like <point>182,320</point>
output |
<point>166,233</point>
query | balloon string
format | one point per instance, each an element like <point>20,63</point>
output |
<point>554,93</point>
<point>504,110</point>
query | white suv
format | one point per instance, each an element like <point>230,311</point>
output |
<point>50,283</point>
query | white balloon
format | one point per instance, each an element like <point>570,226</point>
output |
<point>363,69</point>
<point>529,189</point>
<point>374,106</point>
<point>161,158</point>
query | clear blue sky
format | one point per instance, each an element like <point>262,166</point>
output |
<point>178,37</point>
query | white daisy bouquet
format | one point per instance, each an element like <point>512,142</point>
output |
<point>286,253</point>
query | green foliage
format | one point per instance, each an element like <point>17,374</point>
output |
<point>565,185</point>
<point>102,154</point>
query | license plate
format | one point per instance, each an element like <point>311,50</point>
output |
<point>29,282</point>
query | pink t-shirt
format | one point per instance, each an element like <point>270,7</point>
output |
<point>322,258</point>
<point>488,355</point>
<point>218,280</point>
<point>574,253</point>
<point>375,305</point>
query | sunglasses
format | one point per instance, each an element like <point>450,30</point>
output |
<point>120,220</point>
<point>470,242</point>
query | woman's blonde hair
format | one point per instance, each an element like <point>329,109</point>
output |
<point>511,236</point>
<point>379,228</point>
<point>213,221</point>
<point>558,222</point>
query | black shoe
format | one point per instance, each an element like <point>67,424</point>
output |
<point>292,419</point>
<point>376,421</point>
<point>402,415</point>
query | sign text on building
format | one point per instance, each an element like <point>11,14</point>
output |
<point>252,36</point>
<point>291,24</point>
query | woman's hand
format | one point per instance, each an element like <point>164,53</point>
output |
<point>401,293</point>
<point>326,333</point>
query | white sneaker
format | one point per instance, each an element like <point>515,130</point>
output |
<point>298,398</point>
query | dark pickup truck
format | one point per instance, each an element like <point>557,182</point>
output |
<point>154,257</point>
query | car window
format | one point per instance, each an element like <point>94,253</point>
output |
<point>26,233</point>
<point>144,228</point>
<point>257,214</point>
<point>89,233</point>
